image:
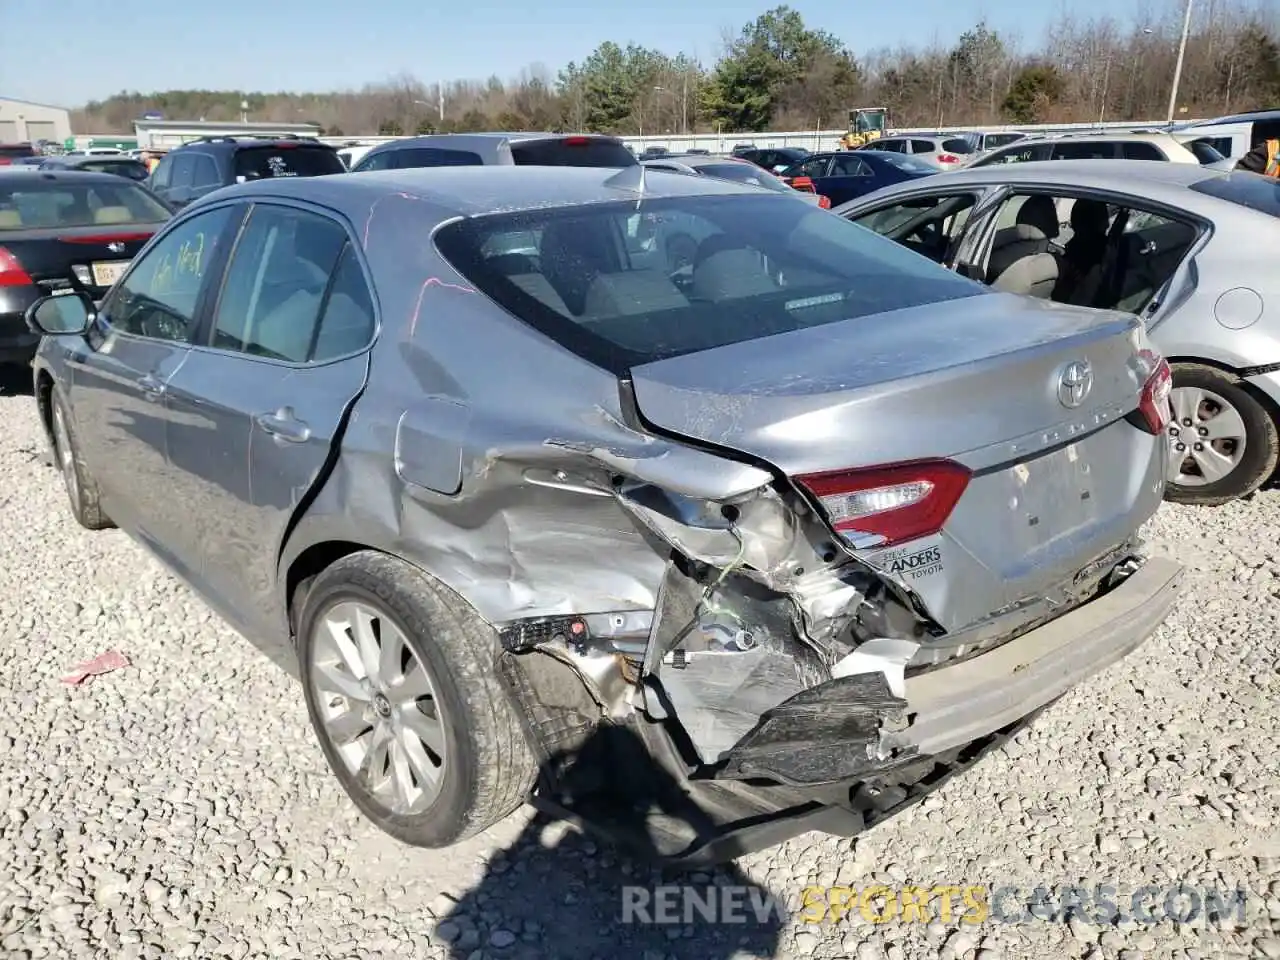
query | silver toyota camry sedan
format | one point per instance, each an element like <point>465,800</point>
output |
<point>701,553</point>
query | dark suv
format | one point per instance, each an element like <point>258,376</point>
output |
<point>202,166</point>
<point>503,149</point>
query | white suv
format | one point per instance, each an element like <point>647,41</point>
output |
<point>1128,145</point>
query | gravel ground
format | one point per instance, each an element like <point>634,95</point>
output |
<point>180,807</point>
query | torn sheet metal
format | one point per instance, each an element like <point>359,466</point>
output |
<point>882,655</point>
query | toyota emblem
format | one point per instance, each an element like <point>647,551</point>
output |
<point>115,246</point>
<point>1074,383</point>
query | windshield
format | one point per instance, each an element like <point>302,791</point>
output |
<point>286,160</point>
<point>622,287</point>
<point>574,152</point>
<point>1204,152</point>
<point>1251,190</point>
<point>38,203</point>
<point>904,162</point>
<point>743,173</point>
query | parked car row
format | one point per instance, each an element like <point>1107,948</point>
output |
<point>542,457</point>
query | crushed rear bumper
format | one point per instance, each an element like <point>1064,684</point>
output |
<point>847,754</point>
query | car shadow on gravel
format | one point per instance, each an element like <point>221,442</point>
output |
<point>15,380</point>
<point>556,892</point>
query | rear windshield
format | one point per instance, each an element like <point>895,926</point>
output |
<point>994,140</point>
<point>573,152</point>
<point>286,160</point>
<point>435,157</point>
<point>743,173</point>
<point>906,162</point>
<point>17,150</point>
<point>957,145</point>
<point>1204,152</point>
<point>1251,190</point>
<point>39,204</point>
<point>622,286</point>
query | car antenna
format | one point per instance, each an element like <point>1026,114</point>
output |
<point>629,178</point>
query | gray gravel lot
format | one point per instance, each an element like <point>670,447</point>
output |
<point>180,807</point>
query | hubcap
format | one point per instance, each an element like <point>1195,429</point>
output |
<point>378,707</point>
<point>1206,437</point>
<point>66,457</point>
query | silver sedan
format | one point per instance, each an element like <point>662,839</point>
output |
<point>771,541</point>
<point>1187,249</point>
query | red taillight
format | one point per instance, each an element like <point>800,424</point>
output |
<point>576,141</point>
<point>802,183</point>
<point>11,272</point>
<point>108,238</point>
<point>5,161</point>
<point>892,504</point>
<point>285,145</point>
<point>948,158</point>
<point>824,202</point>
<point>1153,404</point>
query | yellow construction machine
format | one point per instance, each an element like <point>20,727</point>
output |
<point>865,124</point>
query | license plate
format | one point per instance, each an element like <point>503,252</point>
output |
<point>105,274</point>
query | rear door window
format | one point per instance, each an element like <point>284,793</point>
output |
<point>1141,150</point>
<point>412,157</point>
<point>204,176</point>
<point>957,145</point>
<point>1024,154</point>
<point>572,152</point>
<point>1084,150</point>
<point>276,282</point>
<point>923,146</point>
<point>285,160</point>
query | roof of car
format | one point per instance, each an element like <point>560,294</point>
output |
<point>70,174</point>
<point>477,190</point>
<point>1237,118</point>
<point>698,160</point>
<point>1105,174</point>
<point>82,159</point>
<point>460,139</point>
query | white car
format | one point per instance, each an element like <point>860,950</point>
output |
<point>1126,145</point>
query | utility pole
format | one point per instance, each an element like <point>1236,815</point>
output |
<point>440,98</point>
<point>684,103</point>
<point>1177,70</point>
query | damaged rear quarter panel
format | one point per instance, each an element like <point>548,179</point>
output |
<point>482,452</point>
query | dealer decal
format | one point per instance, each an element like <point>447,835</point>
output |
<point>913,566</point>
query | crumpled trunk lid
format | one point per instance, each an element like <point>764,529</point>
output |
<point>1060,483</point>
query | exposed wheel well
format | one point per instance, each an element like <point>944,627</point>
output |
<point>44,401</point>
<point>308,565</point>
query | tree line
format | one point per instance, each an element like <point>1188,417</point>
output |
<point>780,73</point>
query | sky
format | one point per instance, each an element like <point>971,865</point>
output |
<point>69,52</point>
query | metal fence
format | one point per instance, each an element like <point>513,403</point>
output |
<point>812,139</point>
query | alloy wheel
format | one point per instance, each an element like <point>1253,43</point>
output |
<point>378,706</point>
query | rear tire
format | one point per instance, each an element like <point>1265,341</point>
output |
<point>1235,433</point>
<point>482,771</point>
<point>82,489</point>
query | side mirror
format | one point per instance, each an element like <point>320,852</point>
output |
<point>60,315</point>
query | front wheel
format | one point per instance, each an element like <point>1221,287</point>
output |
<point>1223,442</point>
<point>398,675</point>
<point>82,489</point>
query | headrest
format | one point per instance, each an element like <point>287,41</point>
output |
<point>112,215</point>
<point>1041,212</point>
<point>1090,217</point>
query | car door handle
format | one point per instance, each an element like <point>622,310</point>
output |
<point>284,425</point>
<point>152,389</point>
